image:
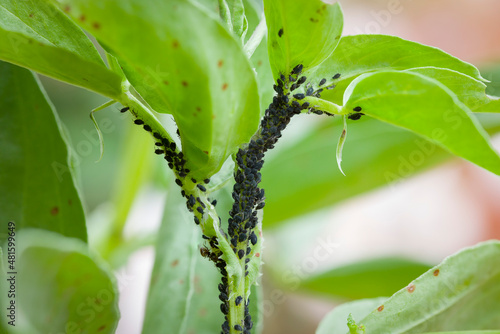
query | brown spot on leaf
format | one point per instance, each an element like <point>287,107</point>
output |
<point>31,14</point>
<point>70,202</point>
<point>224,86</point>
<point>165,82</point>
<point>185,83</point>
<point>203,312</point>
<point>181,281</point>
<point>206,152</point>
<point>67,8</point>
<point>175,44</point>
<point>175,263</point>
<point>82,18</point>
<point>220,63</point>
<point>198,109</point>
<point>380,308</point>
<point>313,20</point>
<point>259,63</point>
<point>54,211</point>
<point>96,25</point>
<point>213,116</point>
<point>436,272</point>
<point>410,288</point>
<point>100,329</point>
<point>257,254</point>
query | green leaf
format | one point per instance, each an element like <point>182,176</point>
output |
<point>37,35</point>
<point>301,32</point>
<point>233,13</point>
<point>426,107</point>
<point>360,54</point>
<point>336,320</point>
<point>468,90</point>
<point>459,294</point>
<point>36,184</point>
<point>182,62</point>
<point>366,279</point>
<point>183,295</point>
<point>61,287</point>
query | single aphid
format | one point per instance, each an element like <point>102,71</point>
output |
<point>336,76</point>
<point>147,128</point>
<point>322,82</point>
<point>280,32</point>
<point>204,251</point>
<point>124,109</point>
<point>238,300</point>
<point>200,209</point>
<point>139,121</point>
<point>241,253</point>
<point>309,91</point>
<point>357,109</point>
<point>355,116</point>
<point>299,96</point>
<point>206,180</point>
<point>159,151</point>
<point>297,69</point>
<point>201,187</point>
<point>178,182</point>
<point>253,238</point>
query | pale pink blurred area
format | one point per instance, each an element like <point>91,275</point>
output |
<point>467,29</point>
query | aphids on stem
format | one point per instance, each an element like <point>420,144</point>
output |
<point>299,96</point>
<point>357,109</point>
<point>125,109</point>
<point>336,76</point>
<point>196,220</point>
<point>355,116</point>
<point>280,32</point>
<point>309,91</point>
<point>238,300</point>
<point>158,151</point>
<point>206,180</point>
<point>139,121</point>
<point>178,182</point>
<point>253,238</point>
<point>297,69</point>
<point>147,128</point>
<point>241,253</point>
<point>322,82</point>
<point>200,209</point>
<point>201,187</point>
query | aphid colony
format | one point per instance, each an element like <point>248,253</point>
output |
<point>248,197</point>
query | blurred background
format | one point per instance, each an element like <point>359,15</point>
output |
<point>403,207</point>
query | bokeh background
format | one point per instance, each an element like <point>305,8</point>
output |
<point>438,205</point>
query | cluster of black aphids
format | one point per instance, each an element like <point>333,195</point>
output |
<point>356,115</point>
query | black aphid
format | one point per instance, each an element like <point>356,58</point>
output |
<point>214,202</point>
<point>147,128</point>
<point>301,80</point>
<point>205,237</point>
<point>238,328</point>
<point>241,253</point>
<point>124,109</point>
<point>139,121</point>
<point>224,309</point>
<point>173,146</point>
<point>253,238</point>
<point>157,135</point>
<point>357,109</point>
<point>336,76</point>
<point>201,187</point>
<point>298,69</point>
<point>280,33</point>
<point>355,116</point>
<point>193,180</point>
<point>299,96</point>
<point>200,209</point>
<point>178,182</point>
<point>158,144</point>
<point>206,180</point>
<point>309,91</point>
<point>158,151</point>
<point>238,300</point>
<point>249,250</point>
<point>260,206</point>
<point>322,82</point>
<point>191,200</point>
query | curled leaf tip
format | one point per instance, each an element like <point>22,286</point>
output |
<point>340,146</point>
<point>99,133</point>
